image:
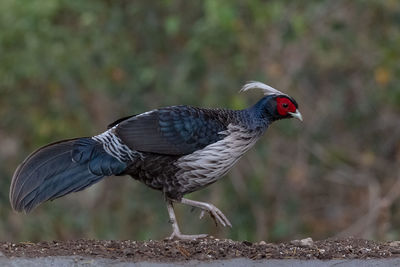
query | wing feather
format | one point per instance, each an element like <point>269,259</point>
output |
<point>177,130</point>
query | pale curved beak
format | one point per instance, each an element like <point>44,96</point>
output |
<point>296,115</point>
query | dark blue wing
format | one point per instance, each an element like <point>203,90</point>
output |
<point>177,130</point>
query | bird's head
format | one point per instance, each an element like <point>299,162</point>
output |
<point>275,105</point>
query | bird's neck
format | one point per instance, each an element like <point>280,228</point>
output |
<point>259,115</point>
<point>252,120</point>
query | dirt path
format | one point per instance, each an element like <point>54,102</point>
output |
<point>205,249</point>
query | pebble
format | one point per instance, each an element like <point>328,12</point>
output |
<point>262,242</point>
<point>306,242</point>
<point>394,244</point>
<point>247,243</point>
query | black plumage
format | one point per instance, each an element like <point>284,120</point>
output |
<point>176,150</point>
<point>177,130</point>
<point>59,169</point>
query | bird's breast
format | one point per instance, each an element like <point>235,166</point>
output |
<point>205,166</point>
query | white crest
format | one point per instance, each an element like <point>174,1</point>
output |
<point>267,90</point>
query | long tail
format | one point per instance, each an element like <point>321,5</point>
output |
<point>59,169</point>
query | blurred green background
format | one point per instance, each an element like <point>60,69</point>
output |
<point>68,68</point>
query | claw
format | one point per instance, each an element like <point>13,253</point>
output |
<point>201,214</point>
<point>216,219</point>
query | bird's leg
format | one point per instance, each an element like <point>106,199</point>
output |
<point>215,213</point>
<point>176,233</point>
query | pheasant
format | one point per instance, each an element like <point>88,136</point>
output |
<point>177,150</point>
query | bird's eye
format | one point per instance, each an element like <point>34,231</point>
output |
<point>285,105</point>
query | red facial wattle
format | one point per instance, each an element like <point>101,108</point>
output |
<point>284,106</point>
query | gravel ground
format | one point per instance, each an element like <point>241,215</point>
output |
<point>205,249</point>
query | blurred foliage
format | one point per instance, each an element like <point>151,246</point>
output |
<point>68,68</point>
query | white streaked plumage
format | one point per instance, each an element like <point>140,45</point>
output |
<point>266,89</point>
<point>114,146</point>
<point>204,166</point>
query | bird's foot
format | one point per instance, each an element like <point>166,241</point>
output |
<point>215,213</point>
<point>177,235</point>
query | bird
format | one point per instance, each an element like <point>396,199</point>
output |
<point>176,150</point>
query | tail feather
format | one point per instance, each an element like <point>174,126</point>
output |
<point>59,169</point>
<point>75,183</point>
